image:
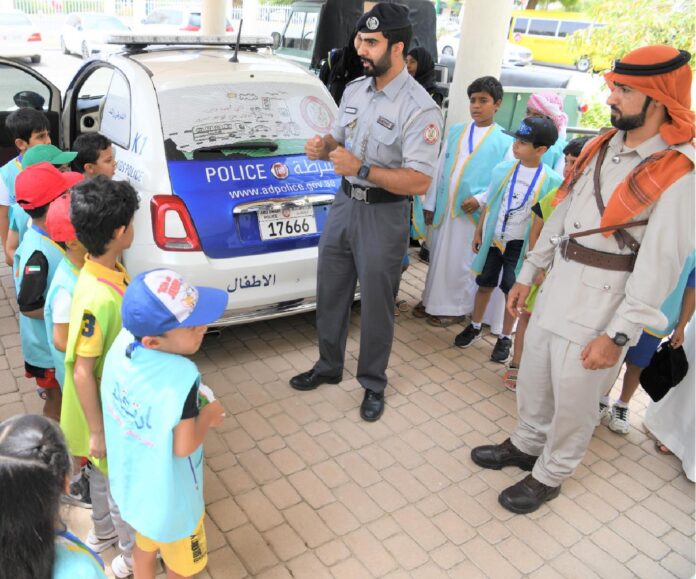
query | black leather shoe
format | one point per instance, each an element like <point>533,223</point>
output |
<point>527,495</point>
<point>496,456</point>
<point>372,406</point>
<point>311,380</point>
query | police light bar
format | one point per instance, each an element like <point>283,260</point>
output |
<point>189,40</point>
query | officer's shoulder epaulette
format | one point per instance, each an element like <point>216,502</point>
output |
<point>421,96</point>
<point>356,80</point>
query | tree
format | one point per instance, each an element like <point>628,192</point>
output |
<point>630,24</point>
<point>568,5</point>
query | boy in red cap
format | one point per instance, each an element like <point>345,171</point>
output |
<point>35,263</point>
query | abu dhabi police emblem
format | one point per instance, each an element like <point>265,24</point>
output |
<point>279,171</point>
<point>431,134</point>
<point>372,23</point>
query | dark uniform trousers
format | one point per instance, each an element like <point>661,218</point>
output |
<point>366,243</point>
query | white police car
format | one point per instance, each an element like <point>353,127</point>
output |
<point>213,143</point>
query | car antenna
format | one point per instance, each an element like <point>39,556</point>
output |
<point>236,46</point>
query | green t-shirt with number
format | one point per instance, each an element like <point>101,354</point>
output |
<point>95,313</point>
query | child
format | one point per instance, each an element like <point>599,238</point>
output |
<point>57,313</point>
<point>542,211</point>
<point>501,236</point>
<point>550,105</point>
<point>156,421</point>
<point>678,309</point>
<point>102,215</point>
<point>28,127</point>
<point>452,205</point>
<point>20,220</point>
<point>95,156</point>
<point>34,468</point>
<point>35,263</point>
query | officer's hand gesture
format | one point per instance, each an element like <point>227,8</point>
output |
<point>600,354</point>
<point>517,298</point>
<point>315,147</point>
<point>345,163</point>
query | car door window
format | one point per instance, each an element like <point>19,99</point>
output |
<point>293,31</point>
<point>155,17</point>
<point>17,87</point>
<point>544,27</point>
<point>568,28</point>
<point>116,112</point>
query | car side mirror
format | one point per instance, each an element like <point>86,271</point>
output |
<point>276,40</point>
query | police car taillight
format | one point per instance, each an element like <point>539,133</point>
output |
<point>172,226</point>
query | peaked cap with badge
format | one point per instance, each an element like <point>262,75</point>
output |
<point>384,17</point>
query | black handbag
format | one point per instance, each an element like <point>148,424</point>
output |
<point>667,368</point>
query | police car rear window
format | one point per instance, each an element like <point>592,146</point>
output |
<point>224,118</point>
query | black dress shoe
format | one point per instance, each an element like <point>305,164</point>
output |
<point>496,456</point>
<point>372,406</point>
<point>527,495</point>
<point>311,380</point>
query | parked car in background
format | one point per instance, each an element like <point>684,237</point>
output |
<point>86,33</point>
<point>214,146</point>
<point>174,20</point>
<point>513,55</point>
<point>548,35</point>
<point>19,37</point>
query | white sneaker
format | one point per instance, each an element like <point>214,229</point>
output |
<point>619,419</point>
<point>120,567</point>
<point>604,414</point>
<point>100,544</point>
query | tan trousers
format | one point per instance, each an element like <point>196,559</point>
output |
<point>557,403</point>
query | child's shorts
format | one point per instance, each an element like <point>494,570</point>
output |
<point>495,261</point>
<point>187,556</point>
<point>45,377</point>
<point>641,354</point>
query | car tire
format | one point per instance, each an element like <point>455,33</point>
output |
<point>448,51</point>
<point>84,50</point>
<point>63,46</point>
<point>36,59</point>
<point>583,64</point>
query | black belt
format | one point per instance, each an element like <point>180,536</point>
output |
<point>370,194</point>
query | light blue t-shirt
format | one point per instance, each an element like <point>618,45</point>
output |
<point>8,173</point>
<point>32,332</point>
<point>65,278</point>
<point>73,559</point>
<point>143,393</point>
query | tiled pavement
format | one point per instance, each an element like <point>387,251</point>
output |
<point>298,486</point>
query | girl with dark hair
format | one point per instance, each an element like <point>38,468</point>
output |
<point>421,66</point>
<point>34,471</point>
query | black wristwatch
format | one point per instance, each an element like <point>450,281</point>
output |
<point>620,339</point>
<point>364,171</point>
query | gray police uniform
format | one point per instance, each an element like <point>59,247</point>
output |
<point>366,234</point>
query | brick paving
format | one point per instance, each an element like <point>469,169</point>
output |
<point>298,486</point>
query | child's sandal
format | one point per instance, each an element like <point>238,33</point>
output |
<point>510,377</point>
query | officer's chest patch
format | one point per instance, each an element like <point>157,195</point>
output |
<point>431,134</point>
<point>386,123</point>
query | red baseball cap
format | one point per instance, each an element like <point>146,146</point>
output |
<point>58,223</point>
<point>40,184</point>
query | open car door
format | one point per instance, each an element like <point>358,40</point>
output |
<point>22,86</point>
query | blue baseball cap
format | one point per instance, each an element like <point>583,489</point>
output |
<point>160,300</point>
<point>537,130</point>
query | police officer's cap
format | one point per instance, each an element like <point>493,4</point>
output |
<point>384,17</point>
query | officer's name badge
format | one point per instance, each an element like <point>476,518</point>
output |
<point>386,123</point>
<point>351,110</point>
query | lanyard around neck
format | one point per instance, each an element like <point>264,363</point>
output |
<point>73,539</point>
<point>513,181</point>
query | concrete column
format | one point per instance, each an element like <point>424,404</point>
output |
<point>213,17</point>
<point>484,27</point>
<point>250,15</point>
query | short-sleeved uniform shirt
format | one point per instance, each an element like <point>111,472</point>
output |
<point>396,127</point>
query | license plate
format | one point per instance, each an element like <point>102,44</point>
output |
<point>286,222</point>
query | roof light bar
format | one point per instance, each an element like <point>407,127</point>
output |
<point>188,40</point>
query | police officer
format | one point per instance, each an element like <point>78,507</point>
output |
<point>385,144</point>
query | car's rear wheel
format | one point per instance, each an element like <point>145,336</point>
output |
<point>84,50</point>
<point>63,46</point>
<point>583,64</point>
<point>448,51</point>
<point>36,59</point>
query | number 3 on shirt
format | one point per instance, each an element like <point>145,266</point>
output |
<point>88,322</point>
